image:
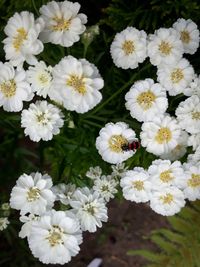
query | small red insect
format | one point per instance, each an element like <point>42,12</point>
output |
<point>131,146</point>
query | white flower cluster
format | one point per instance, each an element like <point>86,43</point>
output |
<point>73,83</point>
<point>4,214</point>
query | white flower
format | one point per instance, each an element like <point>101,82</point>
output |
<point>194,87</point>
<point>192,181</point>
<point>76,84</point>
<point>27,226</point>
<point>129,48</point>
<point>105,186</point>
<point>167,201</point>
<point>161,135</point>
<point>194,159</point>
<point>136,185</point>
<point>180,149</point>
<point>40,78</point>
<point>176,78</point>
<point>14,88</point>
<point>22,43</point>
<point>188,114</point>
<point>194,141</point>
<point>163,173</point>
<point>41,121</point>
<point>3,223</point>
<point>32,193</point>
<point>146,100</point>
<point>63,24</point>
<point>94,172</point>
<point>111,139</point>
<point>188,33</point>
<point>118,170</point>
<point>90,208</point>
<point>64,192</point>
<point>164,47</point>
<point>55,238</point>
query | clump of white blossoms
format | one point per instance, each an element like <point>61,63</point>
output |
<point>64,192</point>
<point>194,159</point>
<point>27,224</point>
<point>40,78</point>
<point>32,193</point>
<point>188,114</point>
<point>4,222</point>
<point>188,33</point>
<point>14,89</point>
<point>164,47</point>
<point>111,140</point>
<point>118,170</point>
<point>176,78</point>
<point>63,23</point>
<point>76,84</point>
<point>161,135</point>
<point>194,87</point>
<point>129,48</point>
<point>94,172</point>
<point>41,121</point>
<point>105,186</point>
<point>90,208</point>
<point>146,100</point>
<point>136,185</point>
<point>55,238</point>
<point>194,140</point>
<point>22,43</point>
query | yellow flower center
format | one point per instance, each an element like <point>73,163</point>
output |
<point>177,75</point>
<point>19,38</point>
<point>166,176</point>
<point>167,199</point>
<point>185,37</point>
<point>61,24</point>
<point>163,135</point>
<point>42,118</point>
<point>43,78</point>
<point>194,181</point>
<point>8,88</point>
<point>55,236</point>
<point>116,142</point>
<point>165,48</point>
<point>33,194</point>
<point>77,83</point>
<point>90,208</point>
<point>138,185</point>
<point>196,115</point>
<point>128,47</point>
<point>146,99</point>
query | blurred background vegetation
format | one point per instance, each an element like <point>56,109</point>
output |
<point>69,155</point>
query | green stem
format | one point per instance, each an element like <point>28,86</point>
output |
<point>34,6</point>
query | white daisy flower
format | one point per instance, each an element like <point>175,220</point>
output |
<point>90,208</point>
<point>192,181</point>
<point>188,33</point>
<point>164,47</point>
<point>180,149</point>
<point>167,201</point>
<point>146,100</point>
<point>161,135</point>
<point>163,173</point>
<point>27,226</point>
<point>106,187</point>
<point>22,43</point>
<point>188,114</point>
<point>55,238</point>
<point>194,159</point>
<point>194,141</point>
<point>194,87</point>
<point>4,222</point>
<point>129,48</point>
<point>111,140</point>
<point>40,78</point>
<point>32,193</point>
<point>136,185</point>
<point>176,78</point>
<point>94,172</point>
<point>76,84</point>
<point>118,170</point>
<point>63,24</point>
<point>14,88</point>
<point>41,121</point>
<point>64,192</point>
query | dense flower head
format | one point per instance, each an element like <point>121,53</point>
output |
<point>4,222</point>
<point>63,23</point>
<point>64,192</point>
<point>94,172</point>
<point>194,87</point>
